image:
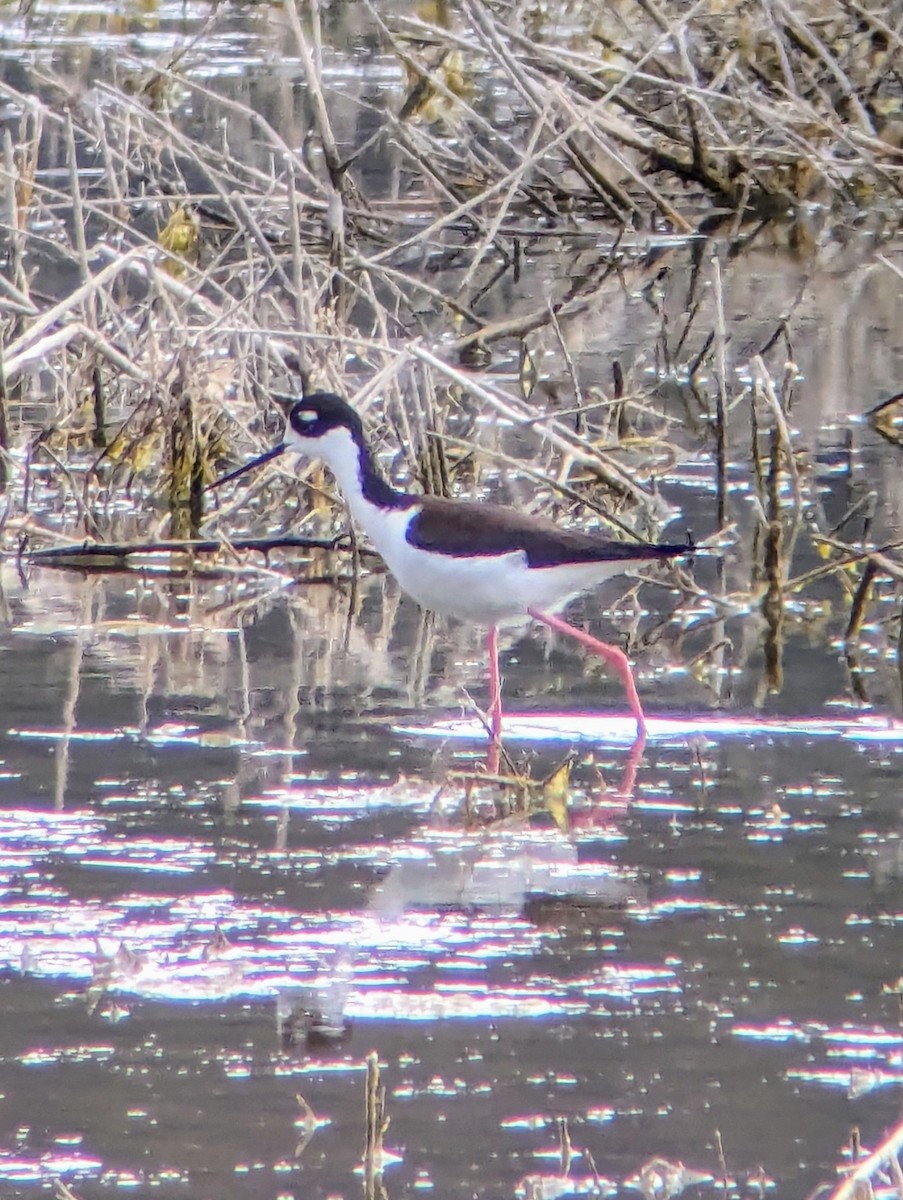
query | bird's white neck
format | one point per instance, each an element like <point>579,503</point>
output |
<point>366,493</point>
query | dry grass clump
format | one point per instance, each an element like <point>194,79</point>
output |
<point>192,253</point>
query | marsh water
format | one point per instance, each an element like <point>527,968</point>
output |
<point>244,843</point>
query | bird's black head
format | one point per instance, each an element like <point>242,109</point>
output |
<point>317,415</point>
<point>310,423</point>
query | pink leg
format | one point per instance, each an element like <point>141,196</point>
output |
<point>634,758</point>
<point>495,703</point>
<point>613,656</point>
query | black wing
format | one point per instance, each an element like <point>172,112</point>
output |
<point>470,529</point>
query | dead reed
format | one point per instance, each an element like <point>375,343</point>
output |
<point>164,282</point>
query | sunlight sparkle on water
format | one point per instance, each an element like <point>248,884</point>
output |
<point>67,1054</point>
<point>165,948</point>
<point>779,1031</point>
<point>601,728</point>
<point>797,937</point>
<point>18,1168</point>
<point>325,800</point>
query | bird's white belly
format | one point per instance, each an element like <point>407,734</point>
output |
<point>486,590</point>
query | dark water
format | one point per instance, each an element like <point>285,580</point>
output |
<point>207,803</point>
<point>230,796</point>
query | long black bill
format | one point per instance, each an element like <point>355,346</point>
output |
<point>248,466</point>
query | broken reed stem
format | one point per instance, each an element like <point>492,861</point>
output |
<point>722,1161</point>
<point>186,487</point>
<point>309,1125</point>
<point>565,1149</point>
<point>311,63</point>
<point>850,556</point>
<point>773,483</point>
<point>755,453</point>
<point>99,436</point>
<point>720,394</point>
<point>4,423</point>
<point>118,553</point>
<point>765,389</point>
<point>773,607</point>
<point>860,600</point>
<point>376,1121</point>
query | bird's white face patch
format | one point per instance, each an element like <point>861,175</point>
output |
<point>333,444</point>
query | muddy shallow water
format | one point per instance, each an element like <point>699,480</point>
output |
<point>202,813</point>
<point>231,797</point>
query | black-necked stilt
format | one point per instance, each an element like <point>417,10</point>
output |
<point>479,562</point>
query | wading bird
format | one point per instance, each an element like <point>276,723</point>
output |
<point>484,563</point>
